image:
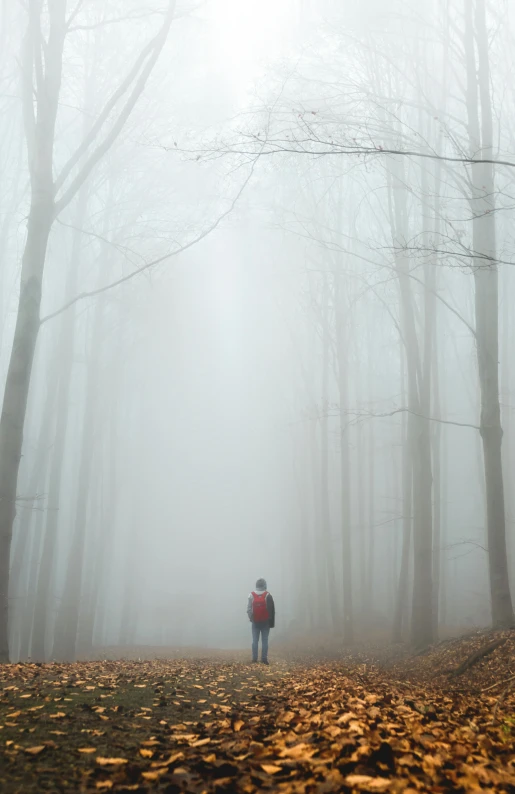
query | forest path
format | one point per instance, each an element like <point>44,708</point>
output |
<point>222,725</point>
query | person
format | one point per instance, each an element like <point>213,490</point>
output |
<point>261,613</point>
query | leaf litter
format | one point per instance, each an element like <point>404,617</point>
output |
<point>365,722</point>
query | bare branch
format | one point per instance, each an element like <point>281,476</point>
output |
<point>155,262</point>
<point>332,245</point>
<point>370,415</point>
<point>151,52</point>
<point>314,147</point>
<point>74,13</point>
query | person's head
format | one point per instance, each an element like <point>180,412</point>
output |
<point>261,584</point>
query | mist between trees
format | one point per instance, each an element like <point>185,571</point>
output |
<point>256,320</point>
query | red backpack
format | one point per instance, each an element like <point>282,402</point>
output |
<point>259,609</point>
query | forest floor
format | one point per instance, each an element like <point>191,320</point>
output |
<point>371,721</point>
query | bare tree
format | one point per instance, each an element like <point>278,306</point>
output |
<point>486,279</point>
<point>43,75</point>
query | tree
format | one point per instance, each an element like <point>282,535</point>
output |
<point>42,77</point>
<point>486,280</point>
<point>406,125</point>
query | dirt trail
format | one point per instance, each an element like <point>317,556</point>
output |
<point>222,725</point>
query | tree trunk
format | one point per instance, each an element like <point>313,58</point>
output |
<point>345,490</point>
<point>40,133</point>
<point>324,462</point>
<point>371,519</point>
<point>487,306</point>
<point>302,585</point>
<point>444,563</point>
<point>43,605</point>
<point>432,438</point>
<point>104,542</point>
<point>401,602</point>
<point>359,480</point>
<point>322,602</point>
<point>17,389</point>
<point>30,600</point>
<point>65,640</point>
<point>420,443</point>
<point>506,418</point>
<point>43,56</point>
<point>41,633</point>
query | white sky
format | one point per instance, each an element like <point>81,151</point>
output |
<point>248,34</point>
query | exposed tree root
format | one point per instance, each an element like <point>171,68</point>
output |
<point>498,683</point>
<point>476,657</point>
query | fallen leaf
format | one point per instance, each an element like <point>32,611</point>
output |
<point>169,761</point>
<point>110,761</point>
<point>200,743</point>
<point>298,751</point>
<point>271,769</point>
<point>368,783</point>
<point>35,750</point>
<point>86,749</point>
<point>153,775</point>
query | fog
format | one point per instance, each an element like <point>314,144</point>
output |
<point>255,296</point>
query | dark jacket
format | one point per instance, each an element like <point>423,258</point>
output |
<point>269,605</point>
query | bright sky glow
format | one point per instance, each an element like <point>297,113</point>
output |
<point>248,34</point>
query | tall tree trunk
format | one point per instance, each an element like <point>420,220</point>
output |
<point>43,56</point>
<point>16,393</point>
<point>37,480</point>
<point>371,519</point>
<point>65,640</point>
<point>345,490</point>
<point>302,585</point>
<point>437,494</point>
<point>324,461</point>
<point>418,383</point>
<point>401,601</point>
<point>41,136</point>
<point>432,438</point>
<point>322,601</point>
<point>359,480</point>
<point>444,534</point>
<point>30,599</point>
<point>41,634</point>
<point>487,304</point>
<point>103,545</point>
<point>506,418</point>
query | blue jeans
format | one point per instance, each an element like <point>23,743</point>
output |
<point>262,628</point>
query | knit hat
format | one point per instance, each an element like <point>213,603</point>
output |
<point>261,584</point>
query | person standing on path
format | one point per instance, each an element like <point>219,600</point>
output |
<point>261,613</point>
